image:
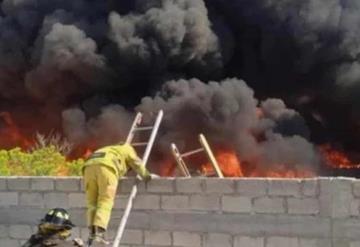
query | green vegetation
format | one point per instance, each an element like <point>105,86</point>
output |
<point>44,161</point>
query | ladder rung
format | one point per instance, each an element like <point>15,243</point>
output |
<point>192,152</point>
<point>139,144</point>
<point>144,128</point>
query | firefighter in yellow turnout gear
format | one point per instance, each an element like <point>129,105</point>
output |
<point>102,171</point>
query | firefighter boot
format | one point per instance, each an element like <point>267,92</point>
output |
<point>100,236</point>
<point>91,235</point>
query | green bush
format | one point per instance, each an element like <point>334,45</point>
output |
<point>45,161</point>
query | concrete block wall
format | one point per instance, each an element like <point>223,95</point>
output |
<point>198,212</point>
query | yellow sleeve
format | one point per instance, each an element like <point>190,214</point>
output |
<point>136,163</point>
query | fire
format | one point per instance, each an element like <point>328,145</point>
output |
<point>232,166</point>
<point>228,162</point>
<point>10,134</point>
<point>87,153</point>
<point>336,159</point>
<point>83,151</point>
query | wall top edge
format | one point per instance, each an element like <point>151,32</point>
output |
<point>184,178</point>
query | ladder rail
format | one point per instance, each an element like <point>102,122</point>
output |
<point>180,162</point>
<point>137,121</point>
<point>134,190</point>
<point>152,137</point>
<point>210,155</point>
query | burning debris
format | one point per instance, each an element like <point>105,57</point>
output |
<point>82,67</point>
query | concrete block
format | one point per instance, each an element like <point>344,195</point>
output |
<point>269,205</point>
<point>160,185</point>
<point>282,242</point>
<point>143,201</point>
<point>237,204</point>
<point>20,231</point>
<point>219,186</point>
<point>77,200</point>
<point>126,185</point>
<point>159,238</point>
<point>186,185</point>
<point>269,225</point>
<point>17,183</point>
<point>67,184</point>
<point>6,242</point>
<point>130,236</point>
<point>42,184</point>
<point>21,215</point>
<point>186,239</point>
<point>284,187</point>
<point>310,187</point>
<point>82,185</point>
<point>4,231</point>
<point>342,198</point>
<point>356,188</point>
<point>133,237</point>
<point>314,242</point>
<point>341,242</point>
<point>54,200</point>
<point>32,199</point>
<point>308,243</point>
<point>310,206</point>
<point>9,199</point>
<point>138,220</point>
<point>161,220</point>
<point>251,187</point>
<point>174,202</point>
<point>355,244</point>
<point>194,222</point>
<point>3,186</point>
<point>205,202</point>
<point>121,201</point>
<point>242,241</point>
<point>217,239</point>
<point>355,207</point>
<point>346,228</point>
<point>335,197</point>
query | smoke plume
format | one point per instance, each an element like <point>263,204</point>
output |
<point>85,66</point>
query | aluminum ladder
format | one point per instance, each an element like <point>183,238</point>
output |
<point>135,128</point>
<point>205,148</point>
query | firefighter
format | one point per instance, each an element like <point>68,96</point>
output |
<point>101,172</point>
<point>54,230</point>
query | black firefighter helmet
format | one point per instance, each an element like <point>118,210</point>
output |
<point>58,217</point>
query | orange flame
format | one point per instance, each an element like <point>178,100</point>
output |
<point>228,162</point>
<point>231,166</point>
<point>337,159</point>
<point>10,134</point>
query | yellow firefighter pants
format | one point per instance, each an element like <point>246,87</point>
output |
<point>100,188</point>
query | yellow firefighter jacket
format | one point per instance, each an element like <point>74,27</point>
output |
<point>120,158</point>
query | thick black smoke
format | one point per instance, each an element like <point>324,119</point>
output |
<point>266,133</point>
<point>60,54</point>
<point>86,65</point>
<point>300,50</point>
